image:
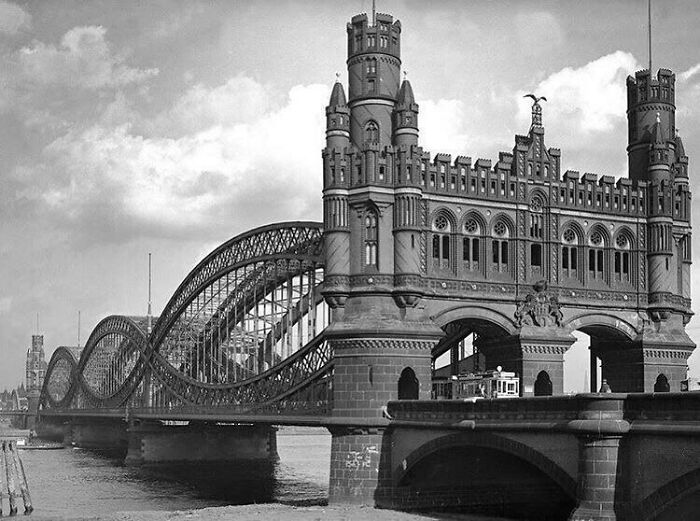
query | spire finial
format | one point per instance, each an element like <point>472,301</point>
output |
<point>374,12</point>
<point>649,19</point>
<point>405,73</point>
<point>337,77</point>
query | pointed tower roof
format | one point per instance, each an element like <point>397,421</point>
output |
<point>406,94</point>
<point>337,96</point>
<point>680,149</point>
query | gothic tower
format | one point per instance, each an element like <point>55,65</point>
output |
<point>381,335</point>
<point>35,371</point>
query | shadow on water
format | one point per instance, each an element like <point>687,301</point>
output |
<point>238,483</point>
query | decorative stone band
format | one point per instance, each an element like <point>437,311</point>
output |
<point>544,349</point>
<point>667,354</point>
<point>341,133</point>
<point>364,346</point>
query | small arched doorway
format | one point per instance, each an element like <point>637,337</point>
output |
<point>543,384</point>
<point>408,385</point>
<point>661,385</point>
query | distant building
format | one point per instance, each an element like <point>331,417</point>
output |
<point>35,370</point>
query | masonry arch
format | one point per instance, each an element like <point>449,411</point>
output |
<point>485,473</point>
<point>677,500</point>
<point>603,341</point>
<point>458,351</point>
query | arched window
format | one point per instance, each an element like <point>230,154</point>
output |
<point>371,132</point>
<point>499,246</point>
<point>569,253</point>
<point>408,385</point>
<point>661,385</point>
<point>372,66</point>
<point>596,255</point>
<point>536,234</point>
<point>441,241</point>
<point>543,384</point>
<point>471,244</point>
<point>622,258</point>
<point>371,239</point>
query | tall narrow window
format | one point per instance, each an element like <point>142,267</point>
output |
<point>596,256</point>
<point>536,234</point>
<point>499,247</point>
<point>441,242</point>
<point>471,244</point>
<point>371,239</point>
<point>371,132</point>
<point>569,254</point>
<point>622,258</point>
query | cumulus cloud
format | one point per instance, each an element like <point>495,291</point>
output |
<point>246,168</point>
<point>82,60</point>
<point>589,99</point>
<point>13,18</point>
<point>586,111</point>
<point>239,100</point>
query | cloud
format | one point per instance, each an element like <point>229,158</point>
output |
<point>239,100</point>
<point>252,165</point>
<point>538,31</point>
<point>589,99</point>
<point>586,110</point>
<point>82,60</point>
<point>13,18</point>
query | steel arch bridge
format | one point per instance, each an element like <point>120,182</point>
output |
<point>242,334</point>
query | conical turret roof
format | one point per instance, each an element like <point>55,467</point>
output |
<point>337,96</point>
<point>406,94</point>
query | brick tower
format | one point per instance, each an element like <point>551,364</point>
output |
<point>381,336</point>
<point>35,371</point>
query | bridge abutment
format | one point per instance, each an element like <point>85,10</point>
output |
<point>381,352</point>
<point>152,442</point>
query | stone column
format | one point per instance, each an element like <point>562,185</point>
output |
<point>534,350</point>
<point>600,427</point>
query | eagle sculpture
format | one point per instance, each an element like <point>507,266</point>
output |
<point>535,98</point>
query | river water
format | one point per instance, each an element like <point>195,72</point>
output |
<point>73,482</point>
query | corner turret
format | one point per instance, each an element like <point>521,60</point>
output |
<point>647,98</point>
<point>406,117</point>
<point>337,119</point>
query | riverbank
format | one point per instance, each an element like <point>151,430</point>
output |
<point>275,511</point>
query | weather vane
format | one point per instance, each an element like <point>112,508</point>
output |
<point>536,108</point>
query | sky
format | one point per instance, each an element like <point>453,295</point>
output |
<point>129,127</point>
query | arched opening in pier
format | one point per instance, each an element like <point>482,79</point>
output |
<point>459,353</point>
<point>603,345</point>
<point>408,385</point>
<point>543,384</point>
<point>484,480</point>
<point>661,385</point>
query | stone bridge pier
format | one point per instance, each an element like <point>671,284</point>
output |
<point>589,457</point>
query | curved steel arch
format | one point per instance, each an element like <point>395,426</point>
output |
<point>134,344</point>
<point>299,239</point>
<point>122,365</point>
<point>61,354</point>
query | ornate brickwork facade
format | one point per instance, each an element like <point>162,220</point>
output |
<point>513,250</point>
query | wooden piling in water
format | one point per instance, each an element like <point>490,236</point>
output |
<point>13,480</point>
